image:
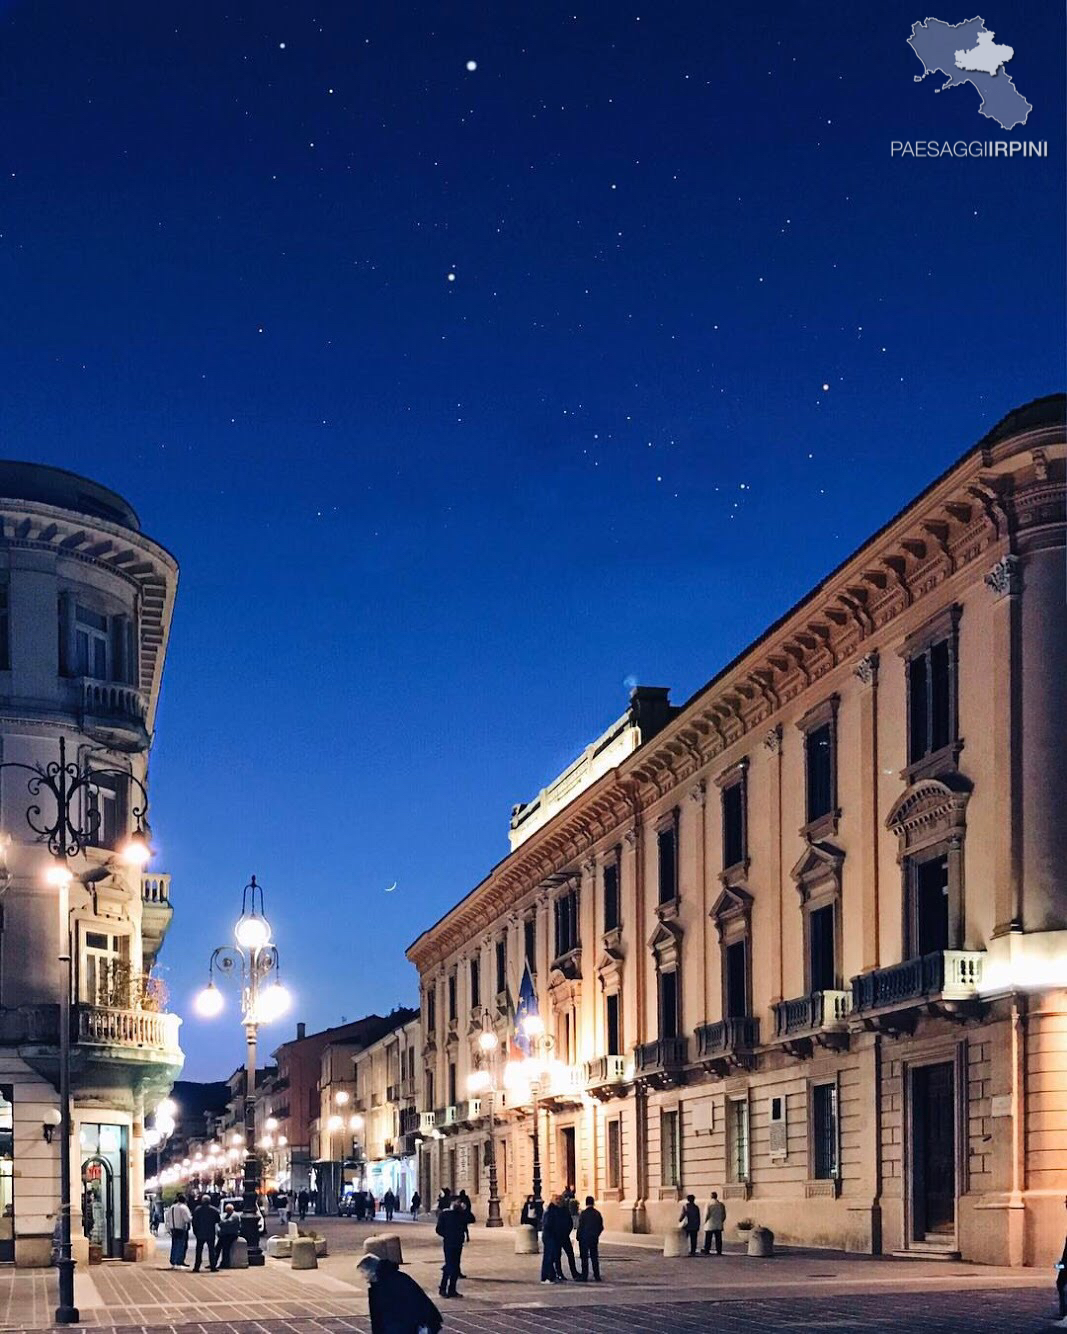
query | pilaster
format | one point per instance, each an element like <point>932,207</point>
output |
<point>866,671</point>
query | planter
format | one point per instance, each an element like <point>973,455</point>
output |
<point>761,1242</point>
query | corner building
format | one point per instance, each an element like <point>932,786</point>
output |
<point>86,600</point>
<point>804,939</point>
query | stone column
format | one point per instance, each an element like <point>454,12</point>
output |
<point>1004,583</point>
<point>698,952</point>
<point>139,1230</point>
<point>866,671</point>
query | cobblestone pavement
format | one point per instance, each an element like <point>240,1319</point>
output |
<point>795,1290</point>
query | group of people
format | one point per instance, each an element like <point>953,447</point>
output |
<point>212,1231</point>
<point>714,1222</point>
<point>284,1206</point>
<point>559,1220</point>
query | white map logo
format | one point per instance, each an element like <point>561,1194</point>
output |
<point>966,53</point>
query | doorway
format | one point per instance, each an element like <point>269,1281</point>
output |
<point>104,1177</point>
<point>7,1174</point>
<point>933,1130</point>
<point>567,1157</point>
<point>98,1204</point>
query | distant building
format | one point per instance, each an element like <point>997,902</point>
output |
<point>86,600</point>
<point>806,943</point>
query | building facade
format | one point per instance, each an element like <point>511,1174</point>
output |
<point>85,609</point>
<point>806,944</point>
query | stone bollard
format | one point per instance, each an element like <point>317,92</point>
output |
<point>303,1254</point>
<point>279,1248</point>
<point>761,1242</point>
<point>239,1253</point>
<point>675,1242</point>
<point>293,1230</point>
<point>386,1246</point>
<point>526,1241</point>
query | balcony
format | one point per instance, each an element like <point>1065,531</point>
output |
<point>156,911</point>
<point>945,982</point>
<point>427,1123</point>
<point>729,1044</point>
<point>605,1076</point>
<point>661,1064</point>
<point>820,1018</point>
<point>563,1084</point>
<point>409,1121</point>
<point>470,1110</point>
<point>99,1025</point>
<point>111,705</point>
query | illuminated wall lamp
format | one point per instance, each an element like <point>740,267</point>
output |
<point>52,1119</point>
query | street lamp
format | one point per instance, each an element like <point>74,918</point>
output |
<point>533,1069</point>
<point>482,1081</point>
<point>253,959</point>
<point>163,1126</point>
<point>68,783</point>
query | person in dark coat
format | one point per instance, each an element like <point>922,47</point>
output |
<point>416,1205</point>
<point>389,1204</point>
<point>690,1221</point>
<point>452,1228</point>
<point>532,1211</point>
<point>468,1213</point>
<point>302,1199</point>
<point>556,1241</point>
<point>397,1304</point>
<point>590,1226</point>
<point>566,1227</point>
<point>205,1223</point>
<point>444,1201</point>
<point>229,1231</point>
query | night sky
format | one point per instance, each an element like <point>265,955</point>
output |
<point>466,397</point>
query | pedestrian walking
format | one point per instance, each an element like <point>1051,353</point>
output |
<point>714,1222</point>
<point>372,1205</point>
<point>550,1234</point>
<point>302,1199</point>
<point>206,1220</point>
<point>178,1220</point>
<point>566,1250</point>
<point>281,1203</point>
<point>452,1228</point>
<point>532,1211</point>
<point>690,1221</point>
<point>229,1231</point>
<point>468,1213</point>
<point>590,1226</point>
<point>155,1216</point>
<point>416,1205</point>
<point>397,1304</point>
<point>389,1204</point>
<point>444,1201</point>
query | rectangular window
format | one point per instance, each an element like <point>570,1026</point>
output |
<point>476,982</point>
<point>737,1145</point>
<point>429,1091</point>
<point>501,966</point>
<point>5,630</point>
<point>824,1131</point>
<point>106,811</point>
<point>91,644</point>
<point>733,824</point>
<point>668,1004</point>
<point>431,1010</point>
<point>615,1155</point>
<point>929,887</point>
<point>667,852</point>
<point>822,958</point>
<point>611,896</point>
<point>529,939</point>
<point>819,763</point>
<point>613,1032</point>
<point>106,971</point>
<point>566,915</point>
<point>451,1083</point>
<point>451,998</point>
<point>670,1146</point>
<point>931,699</point>
<point>736,958</point>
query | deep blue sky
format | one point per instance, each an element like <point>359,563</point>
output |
<point>429,528</point>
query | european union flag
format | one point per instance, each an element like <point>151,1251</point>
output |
<point>526,1006</point>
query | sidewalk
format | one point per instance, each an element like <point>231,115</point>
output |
<point>636,1276</point>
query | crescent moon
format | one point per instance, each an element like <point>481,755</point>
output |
<point>389,888</point>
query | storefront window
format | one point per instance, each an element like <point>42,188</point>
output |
<point>104,1168</point>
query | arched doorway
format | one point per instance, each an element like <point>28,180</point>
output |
<point>98,1205</point>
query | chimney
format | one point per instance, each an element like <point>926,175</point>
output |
<point>651,709</point>
<point>301,1031</point>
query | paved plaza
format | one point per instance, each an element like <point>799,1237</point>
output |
<point>795,1290</point>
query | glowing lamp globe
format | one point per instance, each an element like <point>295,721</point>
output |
<point>252,931</point>
<point>58,875</point>
<point>151,1137</point>
<point>272,1003</point>
<point>165,1125</point>
<point>355,1122</point>
<point>209,1002</point>
<point>271,1123</point>
<point>282,1141</point>
<point>341,1097</point>
<point>488,1041</point>
<point>135,851</point>
<point>533,1026</point>
<point>166,1107</point>
<point>335,1122</point>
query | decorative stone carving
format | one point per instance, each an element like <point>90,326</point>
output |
<point>773,740</point>
<point>698,793</point>
<point>1004,578</point>
<point>931,810</point>
<point>867,668</point>
<point>630,838</point>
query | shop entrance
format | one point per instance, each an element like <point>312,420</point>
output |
<point>933,1153</point>
<point>104,1174</point>
<point>7,1174</point>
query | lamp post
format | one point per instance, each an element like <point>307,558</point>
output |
<point>163,1126</point>
<point>482,1081</point>
<point>68,782</point>
<point>534,1028</point>
<point>253,958</point>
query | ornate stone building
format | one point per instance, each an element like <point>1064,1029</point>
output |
<point>86,600</point>
<point>806,944</point>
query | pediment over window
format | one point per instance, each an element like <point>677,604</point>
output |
<point>666,944</point>
<point>734,904</point>
<point>820,864</point>
<point>930,811</point>
<point>609,970</point>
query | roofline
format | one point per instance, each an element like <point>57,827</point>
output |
<point>1016,422</point>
